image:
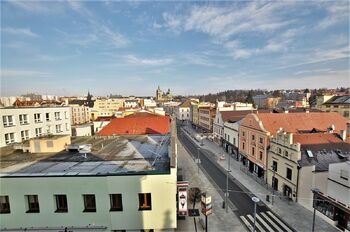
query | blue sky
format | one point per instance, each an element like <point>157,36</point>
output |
<point>129,48</point>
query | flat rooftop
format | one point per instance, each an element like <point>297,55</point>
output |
<point>122,155</point>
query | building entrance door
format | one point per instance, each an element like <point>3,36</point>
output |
<point>287,191</point>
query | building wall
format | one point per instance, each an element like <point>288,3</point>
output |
<point>286,154</point>
<point>163,196</point>
<point>231,133</point>
<point>79,114</point>
<point>47,126</point>
<point>183,113</point>
<point>342,109</point>
<point>339,182</point>
<point>206,118</point>
<point>57,144</point>
<point>105,107</point>
<point>252,126</point>
<point>195,114</point>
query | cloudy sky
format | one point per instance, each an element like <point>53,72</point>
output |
<point>130,48</point>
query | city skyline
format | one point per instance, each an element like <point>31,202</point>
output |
<point>129,48</point>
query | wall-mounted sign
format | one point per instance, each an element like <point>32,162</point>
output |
<point>182,199</point>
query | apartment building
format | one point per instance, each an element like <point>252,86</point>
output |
<point>21,124</point>
<point>131,103</point>
<point>256,131</point>
<point>105,107</point>
<point>105,184</point>
<point>206,115</point>
<point>80,114</point>
<point>183,111</point>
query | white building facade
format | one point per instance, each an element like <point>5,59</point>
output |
<point>20,124</point>
<point>79,114</point>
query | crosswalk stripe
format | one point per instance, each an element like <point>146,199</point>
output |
<point>279,221</point>
<point>272,223</point>
<point>246,223</point>
<point>264,223</point>
<point>256,223</point>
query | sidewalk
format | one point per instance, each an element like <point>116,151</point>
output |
<point>219,220</point>
<point>294,214</point>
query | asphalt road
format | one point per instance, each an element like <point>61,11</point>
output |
<point>239,197</point>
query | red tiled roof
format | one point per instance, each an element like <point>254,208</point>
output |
<point>297,122</point>
<point>104,118</point>
<point>234,115</point>
<point>140,115</point>
<point>317,138</point>
<point>137,125</point>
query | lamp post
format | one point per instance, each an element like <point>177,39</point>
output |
<point>198,160</point>
<point>314,191</point>
<point>255,200</point>
<point>227,173</point>
<point>273,183</point>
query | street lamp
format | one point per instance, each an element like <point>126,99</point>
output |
<point>227,173</point>
<point>314,191</point>
<point>198,160</point>
<point>273,183</point>
<point>255,200</point>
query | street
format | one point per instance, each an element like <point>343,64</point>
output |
<point>240,198</point>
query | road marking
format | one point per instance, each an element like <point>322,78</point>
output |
<point>256,223</point>
<point>279,221</point>
<point>271,222</point>
<point>246,223</point>
<point>264,223</point>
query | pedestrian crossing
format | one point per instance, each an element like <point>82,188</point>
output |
<point>265,222</point>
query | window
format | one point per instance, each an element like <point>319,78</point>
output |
<point>261,140</point>
<point>65,115</point>
<point>38,132</point>
<point>145,201</point>
<point>61,204</point>
<point>23,119</point>
<point>279,150</point>
<point>234,141</point>
<point>260,155</point>
<point>253,150</point>
<point>274,166</point>
<point>116,202</point>
<point>253,137</point>
<point>67,128</point>
<point>285,153</point>
<point>37,118</point>
<point>9,138</point>
<point>25,135</point>
<point>89,203</point>
<point>4,204</point>
<point>58,129</point>
<point>243,133</point>
<point>289,173</point>
<point>243,145</point>
<point>228,138</point>
<point>47,117</point>
<point>8,120</point>
<point>33,204</point>
<point>57,116</point>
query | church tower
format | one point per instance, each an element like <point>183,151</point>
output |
<point>159,94</point>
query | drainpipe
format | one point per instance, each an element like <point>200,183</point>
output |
<point>296,191</point>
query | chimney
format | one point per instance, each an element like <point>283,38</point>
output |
<point>343,135</point>
<point>290,138</point>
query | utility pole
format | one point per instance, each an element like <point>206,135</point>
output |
<point>315,191</point>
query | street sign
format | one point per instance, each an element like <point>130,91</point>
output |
<point>206,205</point>
<point>182,193</point>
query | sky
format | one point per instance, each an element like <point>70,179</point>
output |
<point>129,48</point>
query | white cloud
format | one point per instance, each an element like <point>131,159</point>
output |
<point>152,62</point>
<point>337,12</point>
<point>11,73</point>
<point>19,31</point>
